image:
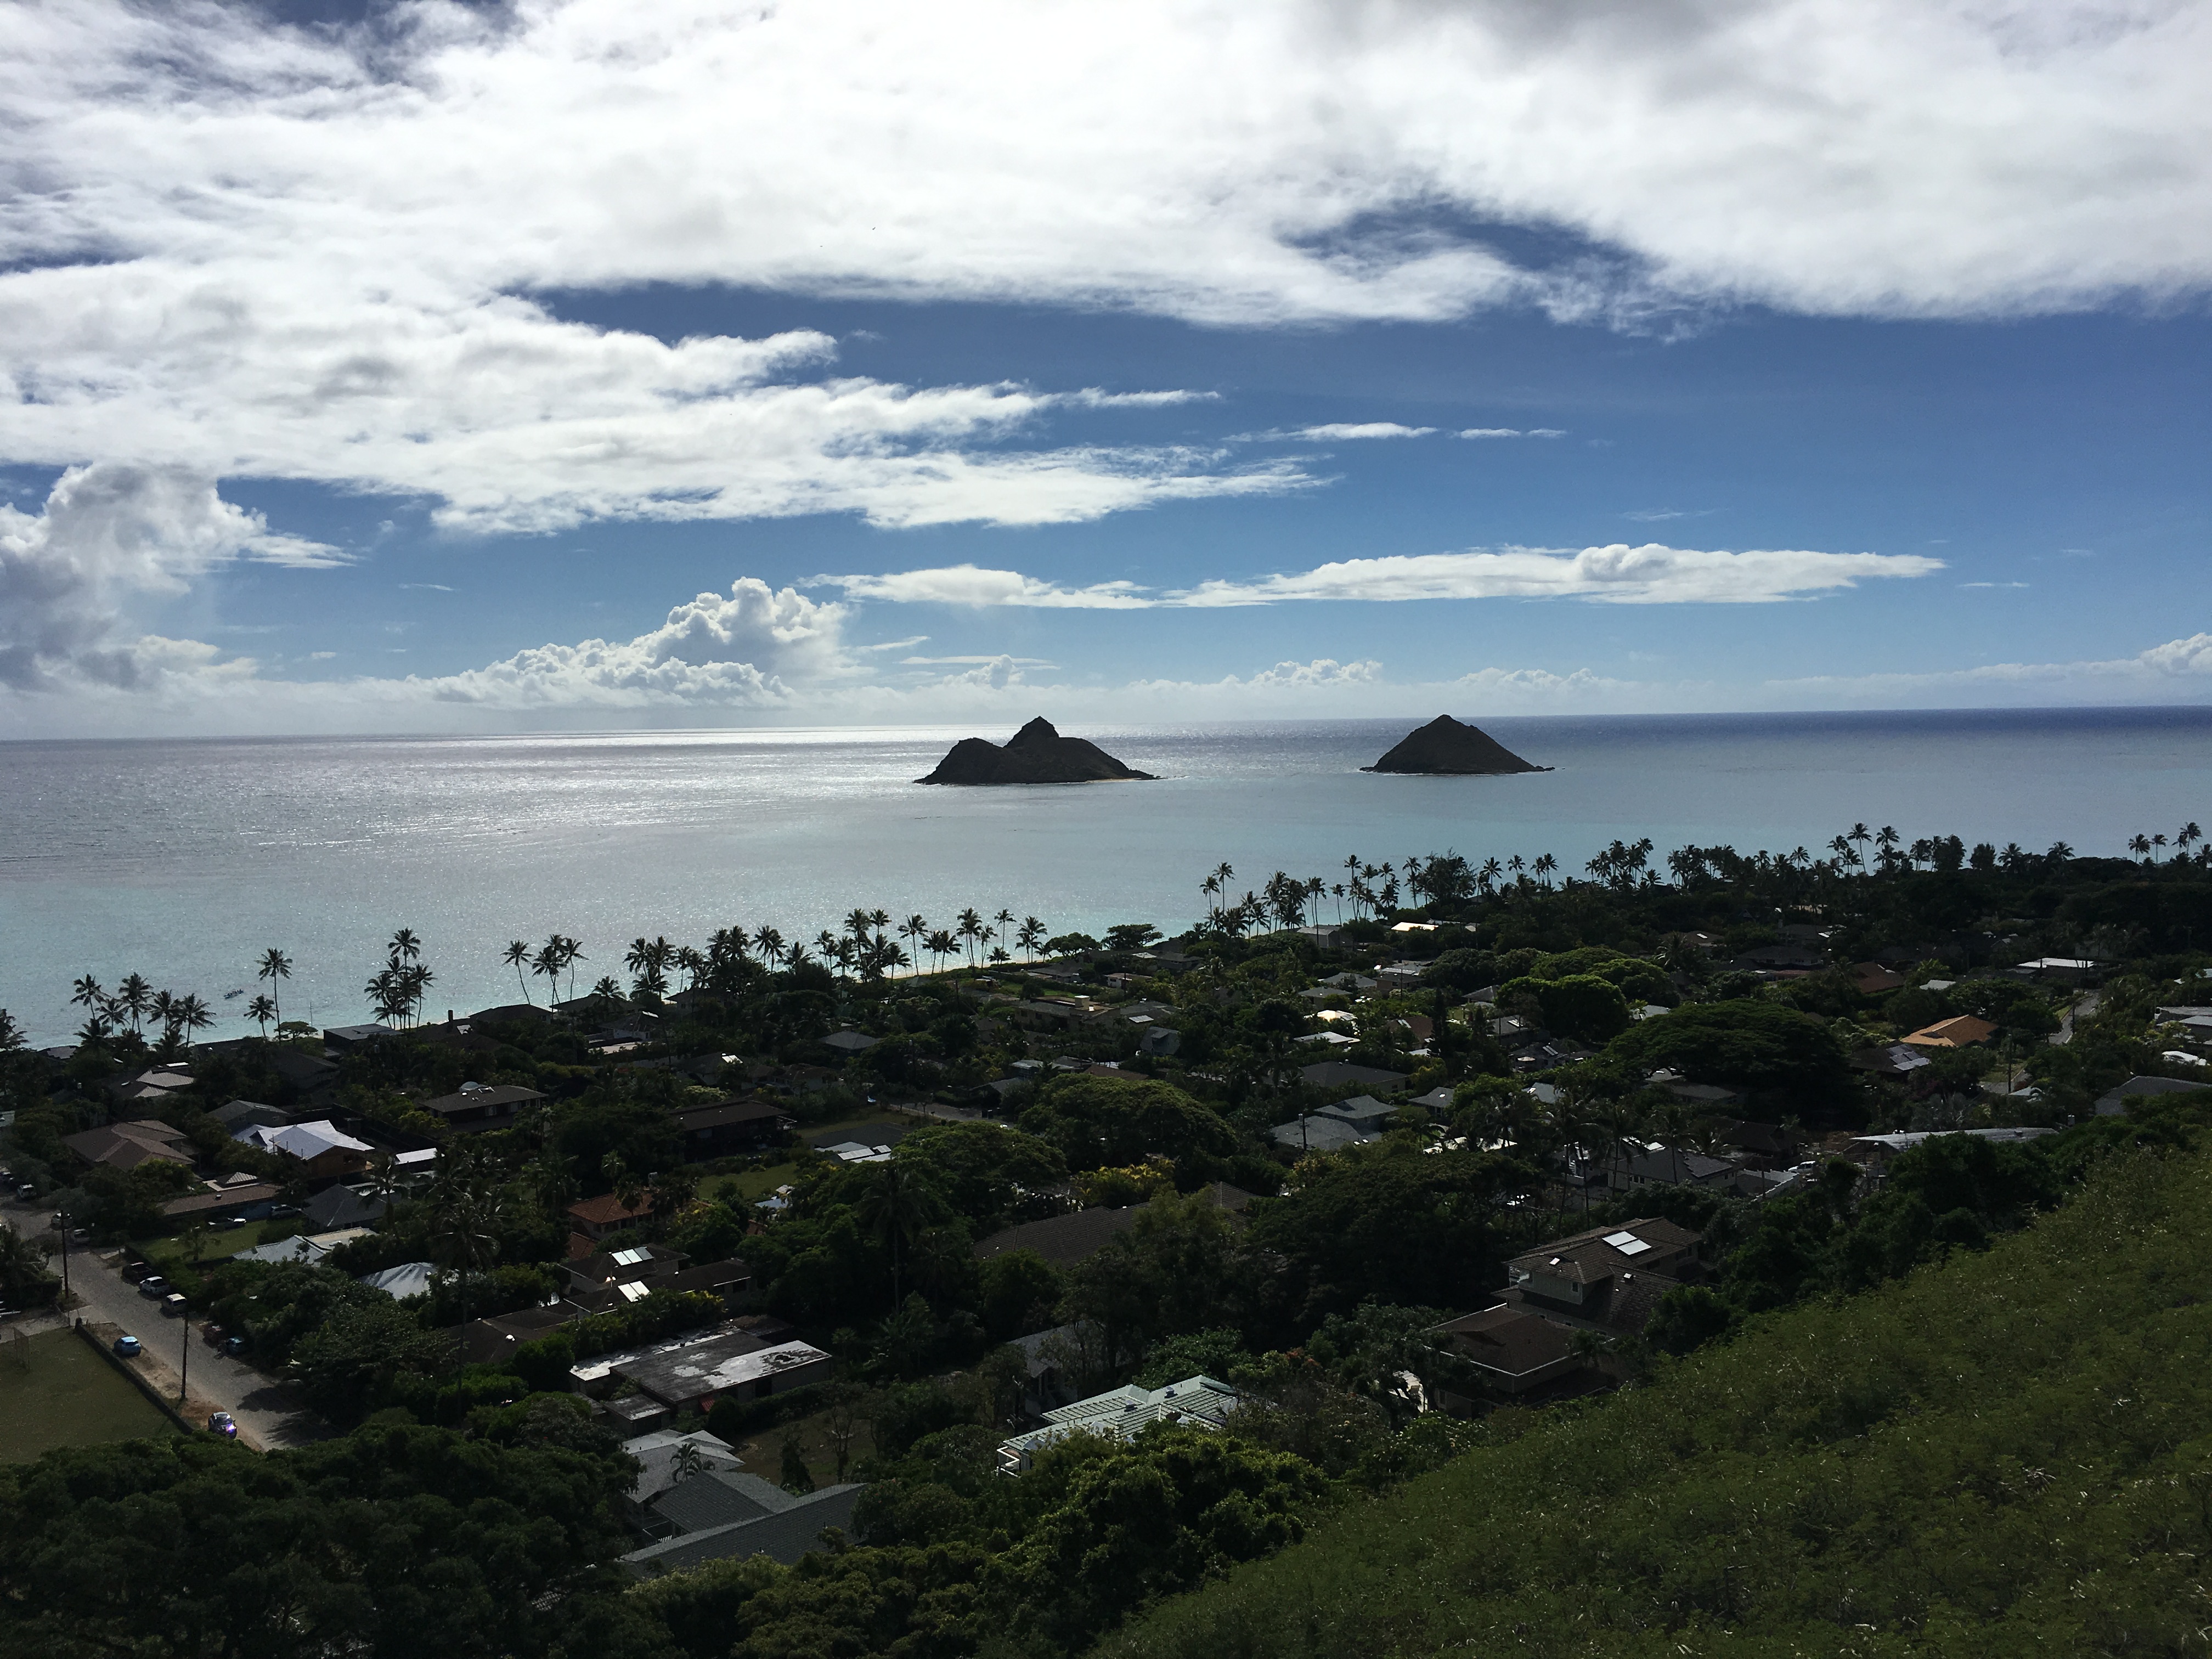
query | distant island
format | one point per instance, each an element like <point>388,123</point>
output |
<point>1445,747</point>
<point>1035,754</point>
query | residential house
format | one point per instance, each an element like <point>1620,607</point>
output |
<point>1707,1097</point>
<point>2114,1101</point>
<point>1122,1412</point>
<point>478,1106</point>
<point>1608,1278</point>
<point>1895,1061</point>
<point>1961,1031</point>
<point>731,1127</point>
<point>1665,1166</point>
<point>2066,971</point>
<point>725,1515</point>
<point>1342,1074</point>
<point>850,1042</point>
<point>1875,1152</point>
<point>1512,1351</point>
<point>1062,1240</point>
<point>127,1145</point>
<point>244,1199</point>
<point>343,1039</point>
<point>1759,1145</point>
<point>340,1206</point>
<point>308,1249</point>
<point>596,1218</point>
<point>327,1152</point>
<point>1316,1133</point>
<point>249,1113</point>
<point>661,1458</point>
<point>152,1089</point>
<point>610,1280</point>
<point>408,1279</point>
<point>1781,961</point>
<point>1871,979</point>
<point>314,1076</point>
<point>737,1363</point>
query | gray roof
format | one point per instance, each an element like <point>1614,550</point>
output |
<point>1318,1133</point>
<point>340,1206</point>
<point>1063,1240</point>
<point>721,1497</point>
<point>1338,1073</point>
<point>2111,1103</point>
<point>783,1537</point>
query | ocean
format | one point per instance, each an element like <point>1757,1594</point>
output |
<point>183,861</point>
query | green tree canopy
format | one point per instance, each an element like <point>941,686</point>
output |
<point>1758,1047</point>
<point>1098,1121</point>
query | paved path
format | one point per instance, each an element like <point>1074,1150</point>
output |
<point>268,1416</point>
<point>2085,1009</point>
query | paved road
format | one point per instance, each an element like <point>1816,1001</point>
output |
<point>268,1416</point>
<point>2085,1009</point>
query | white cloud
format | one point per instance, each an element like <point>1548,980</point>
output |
<point>1340,431</point>
<point>2155,673</point>
<point>970,585</point>
<point>1619,574</point>
<point>754,649</point>
<point>1651,574</point>
<point>1512,432</point>
<point>250,249</point>
<point>78,578</point>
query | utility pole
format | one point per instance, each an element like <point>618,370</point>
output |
<point>65,1276</point>
<point>184,1357</point>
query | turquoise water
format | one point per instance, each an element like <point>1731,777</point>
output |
<point>182,860</point>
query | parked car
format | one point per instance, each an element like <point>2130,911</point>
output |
<point>220,1423</point>
<point>234,1345</point>
<point>127,1347</point>
<point>26,1192</point>
<point>152,1287</point>
<point>173,1305</point>
<point>135,1271</point>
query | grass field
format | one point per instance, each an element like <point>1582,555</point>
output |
<point>56,1391</point>
<point>223,1242</point>
<point>747,1185</point>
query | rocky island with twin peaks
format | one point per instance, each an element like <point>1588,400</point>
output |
<point>1035,754</point>
<point>1444,748</point>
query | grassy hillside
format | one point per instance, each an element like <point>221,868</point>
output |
<point>2007,1453</point>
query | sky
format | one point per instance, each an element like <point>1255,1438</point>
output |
<point>581,365</point>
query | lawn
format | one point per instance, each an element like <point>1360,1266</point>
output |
<point>56,1391</point>
<point>223,1242</point>
<point>761,1453</point>
<point>747,1185</point>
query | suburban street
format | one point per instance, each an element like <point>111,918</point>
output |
<point>267,1415</point>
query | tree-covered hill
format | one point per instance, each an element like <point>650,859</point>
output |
<point>2009,1453</point>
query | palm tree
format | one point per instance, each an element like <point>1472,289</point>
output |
<point>1543,866</point>
<point>1207,889</point>
<point>87,995</point>
<point>915,931</point>
<point>1032,936</point>
<point>404,946</point>
<point>275,965</point>
<point>895,1207</point>
<point>1886,838</point>
<point>261,1010</point>
<point>2188,834</point>
<point>941,944</point>
<point>384,1180</point>
<point>464,1213</point>
<point>1861,835</point>
<point>2157,841</point>
<point>768,943</point>
<point>192,1016</point>
<point>94,1034</point>
<point>517,956</point>
<point>163,1008</point>
<point>2140,846</point>
<point>134,996</point>
<point>970,926</point>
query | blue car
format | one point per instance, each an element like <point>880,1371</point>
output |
<point>127,1347</point>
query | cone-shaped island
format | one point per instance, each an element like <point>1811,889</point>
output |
<point>1444,748</point>
<point>1035,754</point>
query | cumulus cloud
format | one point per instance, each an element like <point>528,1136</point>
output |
<point>1619,574</point>
<point>757,648</point>
<point>111,541</point>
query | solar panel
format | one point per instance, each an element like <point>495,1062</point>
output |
<point>633,1293</point>
<point>1626,1243</point>
<point>631,1256</point>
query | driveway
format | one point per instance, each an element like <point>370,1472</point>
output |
<point>268,1415</point>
